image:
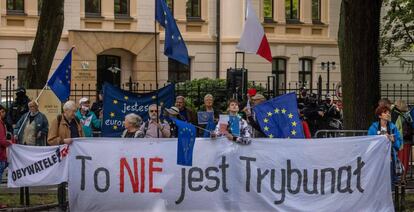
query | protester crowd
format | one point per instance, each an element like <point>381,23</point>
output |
<point>25,124</point>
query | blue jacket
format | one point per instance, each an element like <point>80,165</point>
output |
<point>373,130</point>
<point>87,121</point>
<point>42,125</point>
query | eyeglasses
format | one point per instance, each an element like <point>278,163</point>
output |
<point>153,111</point>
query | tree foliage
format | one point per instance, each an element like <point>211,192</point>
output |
<point>397,32</point>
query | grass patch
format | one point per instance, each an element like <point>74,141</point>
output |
<point>13,200</point>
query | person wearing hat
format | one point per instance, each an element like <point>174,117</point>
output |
<point>18,108</point>
<point>251,117</point>
<point>87,118</point>
<point>170,113</point>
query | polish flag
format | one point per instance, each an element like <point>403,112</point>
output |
<point>253,39</point>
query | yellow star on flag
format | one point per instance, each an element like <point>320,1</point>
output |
<point>276,110</point>
<point>115,101</point>
<point>115,127</point>
<point>112,114</point>
<point>269,114</point>
<point>294,124</point>
<point>283,111</point>
<point>154,97</point>
<point>265,120</point>
<point>293,132</point>
<point>126,97</point>
<point>266,128</point>
<point>290,115</point>
<point>271,136</point>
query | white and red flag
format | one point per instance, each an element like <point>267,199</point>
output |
<point>253,38</point>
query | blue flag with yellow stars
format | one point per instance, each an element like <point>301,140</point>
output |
<point>59,82</point>
<point>279,117</point>
<point>185,145</point>
<point>174,46</point>
<point>117,103</point>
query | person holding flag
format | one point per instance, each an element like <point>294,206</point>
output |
<point>236,129</point>
<point>155,127</point>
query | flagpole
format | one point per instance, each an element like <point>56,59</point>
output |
<point>156,64</point>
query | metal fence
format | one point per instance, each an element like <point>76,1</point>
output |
<point>196,93</point>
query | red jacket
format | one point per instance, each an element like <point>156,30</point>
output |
<point>3,141</point>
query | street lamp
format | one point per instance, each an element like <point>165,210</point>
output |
<point>328,65</point>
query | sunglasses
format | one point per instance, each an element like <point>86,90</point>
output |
<point>153,111</point>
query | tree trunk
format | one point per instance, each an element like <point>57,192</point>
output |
<point>358,40</point>
<point>49,31</point>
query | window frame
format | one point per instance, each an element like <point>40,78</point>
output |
<point>319,19</point>
<point>21,69</point>
<point>302,73</point>
<point>172,6</point>
<point>97,14</point>
<point>290,19</point>
<point>271,18</point>
<point>121,15</point>
<point>278,71</point>
<point>175,69</point>
<point>192,17</point>
<point>14,10</point>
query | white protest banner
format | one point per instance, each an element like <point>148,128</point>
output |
<point>342,174</point>
<point>36,166</point>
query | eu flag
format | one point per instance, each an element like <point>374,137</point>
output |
<point>117,103</point>
<point>279,117</point>
<point>185,144</point>
<point>59,82</point>
<point>174,44</point>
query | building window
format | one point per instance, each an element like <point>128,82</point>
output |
<point>93,8</point>
<point>15,6</point>
<point>292,10</point>
<point>22,63</point>
<point>39,6</point>
<point>178,72</point>
<point>194,9</point>
<point>305,73</point>
<point>268,10</point>
<point>279,70</point>
<point>316,11</point>
<point>170,4</point>
<point>121,8</point>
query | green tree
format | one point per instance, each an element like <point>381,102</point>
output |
<point>358,40</point>
<point>397,32</point>
<point>49,31</point>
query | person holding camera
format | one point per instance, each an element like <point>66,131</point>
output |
<point>384,126</point>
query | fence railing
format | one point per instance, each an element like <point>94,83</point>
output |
<point>196,93</point>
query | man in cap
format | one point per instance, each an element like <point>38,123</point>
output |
<point>251,117</point>
<point>171,113</point>
<point>87,118</point>
<point>18,108</point>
